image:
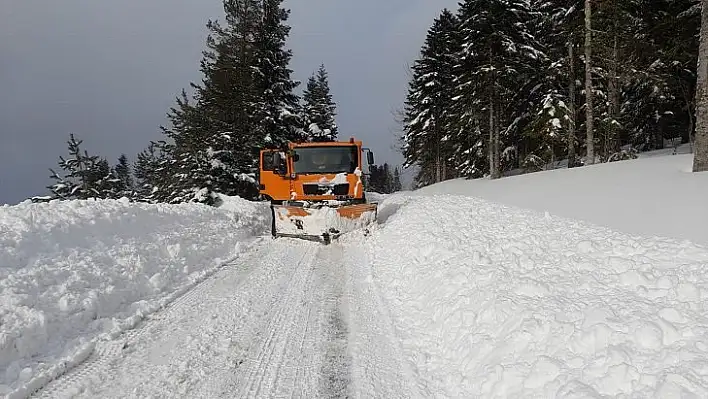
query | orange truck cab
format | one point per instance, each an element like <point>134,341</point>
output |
<point>326,171</point>
<point>316,190</point>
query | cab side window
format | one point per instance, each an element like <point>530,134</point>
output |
<point>267,161</point>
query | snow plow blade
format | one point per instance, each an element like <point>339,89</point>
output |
<point>321,223</point>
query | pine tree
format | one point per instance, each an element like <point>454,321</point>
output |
<point>659,93</point>
<point>107,183</point>
<point>65,187</point>
<point>125,185</point>
<point>244,103</point>
<point>555,100</point>
<point>86,176</point>
<point>640,75</point>
<point>381,180</point>
<point>499,54</point>
<point>230,102</point>
<point>428,128</point>
<point>518,95</point>
<point>387,177</point>
<point>589,116</point>
<point>372,180</point>
<point>612,29</point>
<point>319,108</point>
<point>278,108</point>
<point>145,169</point>
<point>152,173</point>
<point>397,186</point>
<point>189,173</point>
<point>216,137</point>
<point>377,179</point>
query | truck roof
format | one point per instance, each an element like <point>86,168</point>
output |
<point>327,144</point>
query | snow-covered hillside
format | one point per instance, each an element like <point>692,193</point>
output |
<point>655,195</point>
<point>70,271</point>
<point>491,300</point>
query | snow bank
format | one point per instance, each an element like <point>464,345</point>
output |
<point>494,301</point>
<point>372,196</point>
<point>655,195</point>
<point>70,271</point>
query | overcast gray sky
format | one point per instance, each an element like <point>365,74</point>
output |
<point>108,71</point>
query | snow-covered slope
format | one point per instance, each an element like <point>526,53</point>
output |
<point>70,271</point>
<point>655,195</point>
<point>490,300</point>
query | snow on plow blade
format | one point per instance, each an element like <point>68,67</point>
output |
<point>323,223</point>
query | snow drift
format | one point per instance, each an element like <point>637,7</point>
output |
<point>655,195</point>
<point>70,271</point>
<point>495,301</point>
<point>372,196</point>
<point>590,282</point>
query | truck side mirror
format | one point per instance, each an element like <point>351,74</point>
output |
<point>370,157</point>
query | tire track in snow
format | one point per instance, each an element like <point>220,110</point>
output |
<point>263,368</point>
<point>378,367</point>
<point>292,319</point>
<point>335,370</point>
<point>296,358</point>
<point>108,353</point>
<point>336,367</point>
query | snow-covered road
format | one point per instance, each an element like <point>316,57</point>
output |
<point>273,324</point>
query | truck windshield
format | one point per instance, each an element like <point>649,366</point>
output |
<point>326,160</point>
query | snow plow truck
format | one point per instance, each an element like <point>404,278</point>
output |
<point>316,189</point>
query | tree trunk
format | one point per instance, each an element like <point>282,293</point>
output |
<point>470,144</point>
<point>588,86</point>
<point>443,167</point>
<point>690,129</point>
<point>700,155</point>
<point>571,95</point>
<point>497,153</point>
<point>613,142</point>
<point>688,100</point>
<point>493,124</point>
<point>437,153</point>
<point>492,172</point>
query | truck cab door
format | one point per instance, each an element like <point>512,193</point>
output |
<point>273,173</point>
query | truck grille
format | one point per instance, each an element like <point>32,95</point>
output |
<point>317,189</point>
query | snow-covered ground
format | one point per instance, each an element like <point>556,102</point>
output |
<point>655,195</point>
<point>263,327</point>
<point>71,271</point>
<point>375,197</point>
<point>493,300</point>
<point>287,319</point>
<point>528,287</point>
